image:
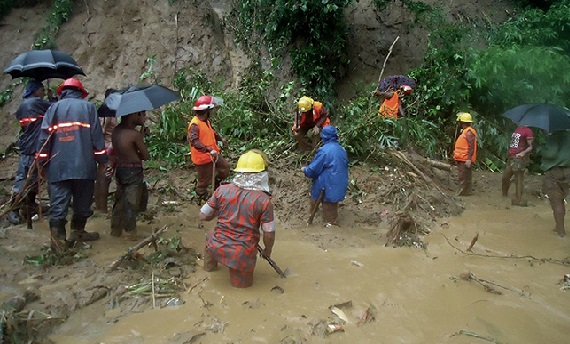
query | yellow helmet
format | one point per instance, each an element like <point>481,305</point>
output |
<point>464,117</point>
<point>250,162</point>
<point>305,104</point>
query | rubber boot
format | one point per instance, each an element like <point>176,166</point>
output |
<point>57,239</point>
<point>14,215</point>
<point>78,232</point>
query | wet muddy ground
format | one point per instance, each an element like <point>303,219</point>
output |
<point>343,283</point>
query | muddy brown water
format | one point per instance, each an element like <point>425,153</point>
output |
<point>415,295</point>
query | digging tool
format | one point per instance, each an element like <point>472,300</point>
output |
<point>213,173</point>
<point>315,207</point>
<point>272,263</point>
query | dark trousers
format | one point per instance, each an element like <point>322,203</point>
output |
<point>464,179</point>
<point>131,198</point>
<point>204,175</point>
<point>24,165</point>
<point>60,195</point>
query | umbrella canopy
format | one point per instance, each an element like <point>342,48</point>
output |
<point>140,98</point>
<point>540,115</point>
<point>394,82</point>
<point>43,64</point>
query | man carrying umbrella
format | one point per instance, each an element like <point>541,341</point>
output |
<point>72,145</point>
<point>29,115</point>
<point>556,182</point>
<point>204,149</point>
<point>132,194</point>
<point>465,153</point>
<point>392,104</point>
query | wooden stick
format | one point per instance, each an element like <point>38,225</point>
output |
<point>315,207</point>
<point>386,59</point>
<point>473,241</point>
<point>150,239</point>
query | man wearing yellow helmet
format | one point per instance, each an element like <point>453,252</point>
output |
<point>465,153</point>
<point>311,115</point>
<point>243,208</point>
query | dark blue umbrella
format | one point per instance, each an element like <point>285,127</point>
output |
<point>540,115</point>
<point>43,64</point>
<point>394,82</point>
<point>139,98</point>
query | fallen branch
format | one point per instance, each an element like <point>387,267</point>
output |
<point>473,241</point>
<point>439,164</point>
<point>488,285</point>
<point>131,251</point>
<point>473,334</point>
<point>402,157</point>
<point>564,262</point>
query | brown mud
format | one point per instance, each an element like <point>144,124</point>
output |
<point>345,283</point>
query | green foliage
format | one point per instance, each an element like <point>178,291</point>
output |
<point>315,30</point>
<point>506,77</point>
<point>59,14</point>
<point>6,94</point>
<point>251,118</point>
<point>365,135</point>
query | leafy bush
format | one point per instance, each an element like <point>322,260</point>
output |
<point>314,30</point>
<point>59,13</point>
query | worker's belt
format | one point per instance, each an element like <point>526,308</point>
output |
<point>130,164</point>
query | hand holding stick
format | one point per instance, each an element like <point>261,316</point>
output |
<point>271,262</point>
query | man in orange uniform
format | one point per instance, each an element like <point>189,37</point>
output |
<point>204,149</point>
<point>392,105</point>
<point>311,115</point>
<point>465,153</point>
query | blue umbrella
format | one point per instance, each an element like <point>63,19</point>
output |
<point>540,115</point>
<point>139,98</point>
<point>43,64</point>
<point>394,82</point>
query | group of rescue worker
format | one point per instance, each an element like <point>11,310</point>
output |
<point>65,139</point>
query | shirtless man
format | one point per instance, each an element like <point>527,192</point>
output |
<point>132,194</point>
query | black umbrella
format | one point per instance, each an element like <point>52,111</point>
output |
<point>140,98</point>
<point>43,64</point>
<point>394,82</point>
<point>540,115</point>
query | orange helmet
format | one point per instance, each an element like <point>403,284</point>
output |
<point>207,103</point>
<point>72,83</point>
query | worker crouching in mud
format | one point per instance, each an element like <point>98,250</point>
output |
<point>242,208</point>
<point>329,171</point>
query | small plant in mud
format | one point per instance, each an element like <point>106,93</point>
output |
<point>49,258</point>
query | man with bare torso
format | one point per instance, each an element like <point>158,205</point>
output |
<point>132,194</point>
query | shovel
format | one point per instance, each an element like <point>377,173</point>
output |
<point>271,262</point>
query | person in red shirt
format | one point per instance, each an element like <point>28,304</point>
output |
<point>242,208</point>
<point>517,160</point>
<point>204,149</point>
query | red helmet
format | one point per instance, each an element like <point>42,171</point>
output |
<point>406,89</point>
<point>72,82</point>
<point>207,103</point>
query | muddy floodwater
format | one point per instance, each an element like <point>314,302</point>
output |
<point>508,290</point>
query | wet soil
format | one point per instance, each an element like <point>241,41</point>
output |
<point>507,288</point>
